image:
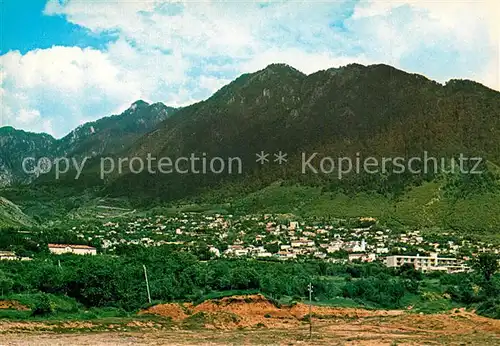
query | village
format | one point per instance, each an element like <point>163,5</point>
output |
<point>282,237</point>
<point>279,237</point>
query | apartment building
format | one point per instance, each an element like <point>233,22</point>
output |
<point>427,263</point>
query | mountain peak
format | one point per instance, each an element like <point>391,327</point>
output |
<point>7,128</point>
<point>138,104</point>
<point>12,130</point>
<point>467,85</point>
<point>282,68</point>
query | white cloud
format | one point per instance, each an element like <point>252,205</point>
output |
<point>303,61</point>
<point>192,27</point>
<point>468,30</point>
<point>66,69</point>
<point>27,116</point>
<point>63,84</point>
<point>179,52</point>
<point>212,83</point>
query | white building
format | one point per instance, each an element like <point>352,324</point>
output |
<point>335,246</point>
<point>356,246</point>
<point>10,256</point>
<point>286,255</point>
<point>381,250</point>
<point>427,263</point>
<point>59,249</point>
<point>215,251</point>
<point>7,256</point>
<point>363,257</point>
<point>241,252</point>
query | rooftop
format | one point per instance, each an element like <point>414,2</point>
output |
<point>73,246</point>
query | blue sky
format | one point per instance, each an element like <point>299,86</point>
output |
<point>24,28</point>
<point>63,63</point>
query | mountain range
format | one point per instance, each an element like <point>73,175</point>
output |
<point>374,110</point>
<point>108,135</point>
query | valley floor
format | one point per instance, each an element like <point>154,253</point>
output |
<point>333,334</point>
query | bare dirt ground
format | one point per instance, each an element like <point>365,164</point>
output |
<point>253,320</point>
<point>12,304</point>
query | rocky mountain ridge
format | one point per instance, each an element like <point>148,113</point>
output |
<point>107,135</point>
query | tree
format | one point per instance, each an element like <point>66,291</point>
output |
<point>486,264</point>
<point>244,278</point>
<point>6,283</point>
<point>43,306</point>
<point>408,271</point>
<point>272,247</point>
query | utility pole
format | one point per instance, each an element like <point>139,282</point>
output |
<point>310,289</point>
<point>147,282</point>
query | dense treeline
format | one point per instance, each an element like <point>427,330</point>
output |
<point>118,281</point>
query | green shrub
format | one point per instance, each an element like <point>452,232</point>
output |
<point>490,308</point>
<point>43,306</point>
<point>385,293</point>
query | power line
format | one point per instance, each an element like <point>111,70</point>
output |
<point>147,283</point>
<point>310,289</point>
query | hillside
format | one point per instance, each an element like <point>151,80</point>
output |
<point>373,110</point>
<point>12,216</point>
<point>17,144</point>
<point>420,207</point>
